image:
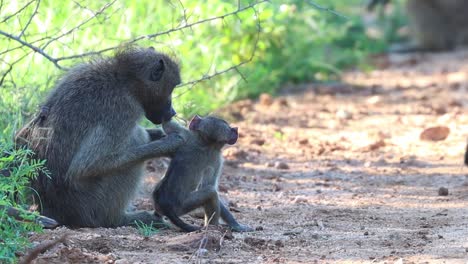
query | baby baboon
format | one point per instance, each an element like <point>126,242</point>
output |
<point>435,24</point>
<point>191,181</point>
<point>92,143</point>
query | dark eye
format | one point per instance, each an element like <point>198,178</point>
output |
<point>157,71</point>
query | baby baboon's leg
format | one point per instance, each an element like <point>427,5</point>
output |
<point>232,222</point>
<point>206,198</point>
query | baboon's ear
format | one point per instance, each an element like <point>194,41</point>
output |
<point>157,71</point>
<point>151,48</point>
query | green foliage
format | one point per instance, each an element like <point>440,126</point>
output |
<point>13,191</point>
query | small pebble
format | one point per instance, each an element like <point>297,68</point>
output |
<point>443,191</point>
<point>279,243</point>
<point>343,114</point>
<point>281,165</point>
<point>265,99</point>
<point>299,200</point>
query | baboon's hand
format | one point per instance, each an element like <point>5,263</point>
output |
<point>177,137</point>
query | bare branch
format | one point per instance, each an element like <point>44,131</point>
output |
<point>30,19</point>
<point>77,27</point>
<point>17,12</point>
<point>327,10</point>
<point>36,49</point>
<point>10,67</point>
<point>149,36</point>
<point>234,67</point>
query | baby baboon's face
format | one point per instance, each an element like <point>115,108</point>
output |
<point>214,130</point>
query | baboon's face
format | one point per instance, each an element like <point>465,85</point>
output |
<point>160,75</point>
<point>214,130</point>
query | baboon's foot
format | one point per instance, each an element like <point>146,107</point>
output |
<point>241,228</point>
<point>46,222</point>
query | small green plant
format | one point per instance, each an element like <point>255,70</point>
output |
<point>279,135</point>
<point>17,169</point>
<point>148,230</point>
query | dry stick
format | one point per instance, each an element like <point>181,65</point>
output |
<point>203,241</point>
<point>41,248</point>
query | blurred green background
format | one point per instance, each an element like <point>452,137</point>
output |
<point>297,43</point>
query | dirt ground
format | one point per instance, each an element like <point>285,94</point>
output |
<point>338,173</point>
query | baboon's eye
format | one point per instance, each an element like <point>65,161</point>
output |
<point>157,71</point>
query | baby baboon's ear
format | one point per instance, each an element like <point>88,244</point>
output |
<point>157,71</point>
<point>195,123</point>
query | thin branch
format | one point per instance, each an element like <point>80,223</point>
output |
<point>149,36</point>
<point>17,12</point>
<point>95,15</point>
<point>326,9</point>
<point>234,67</point>
<point>36,49</point>
<point>10,67</point>
<point>30,19</point>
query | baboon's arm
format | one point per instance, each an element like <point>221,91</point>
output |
<point>92,160</point>
<point>155,133</point>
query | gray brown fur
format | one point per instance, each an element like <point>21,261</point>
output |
<point>91,141</point>
<point>435,24</point>
<point>191,180</point>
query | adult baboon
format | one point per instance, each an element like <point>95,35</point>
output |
<point>435,24</point>
<point>191,181</point>
<point>92,143</point>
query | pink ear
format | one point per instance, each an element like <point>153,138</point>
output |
<point>195,122</point>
